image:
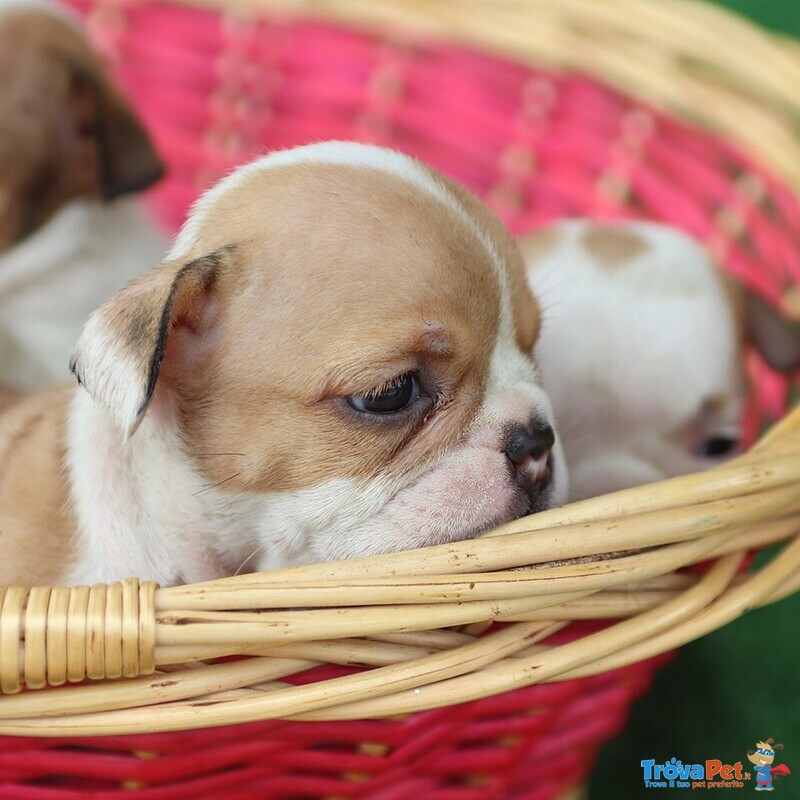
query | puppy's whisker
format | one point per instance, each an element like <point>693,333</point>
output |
<point>553,281</point>
<point>546,316</point>
<point>546,307</point>
<point>249,558</point>
<point>549,283</point>
<point>218,484</point>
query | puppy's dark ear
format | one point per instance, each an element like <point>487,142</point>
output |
<point>775,337</point>
<point>120,351</point>
<point>112,151</point>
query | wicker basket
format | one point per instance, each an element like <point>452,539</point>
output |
<point>382,677</point>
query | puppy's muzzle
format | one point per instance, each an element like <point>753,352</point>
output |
<point>529,449</point>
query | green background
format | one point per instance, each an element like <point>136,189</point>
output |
<point>732,687</point>
<point>779,15</point>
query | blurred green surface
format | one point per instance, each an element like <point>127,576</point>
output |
<point>779,15</point>
<point>737,685</point>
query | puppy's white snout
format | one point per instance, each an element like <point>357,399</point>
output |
<point>529,448</point>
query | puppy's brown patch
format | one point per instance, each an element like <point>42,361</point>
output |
<point>8,397</point>
<point>35,517</point>
<point>613,246</point>
<point>713,405</point>
<point>65,132</point>
<point>525,309</point>
<point>538,244</point>
<point>735,296</point>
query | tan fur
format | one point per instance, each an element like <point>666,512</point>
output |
<point>283,428</point>
<point>539,243</point>
<point>8,397</point>
<point>527,318</point>
<point>65,131</point>
<point>613,246</point>
<point>736,300</point>
<point>36,524</point>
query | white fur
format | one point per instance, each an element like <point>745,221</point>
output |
<point>51,280</point>
<point>142,509</point>
<point>127,498</point>
<point>111,376</point>
<point>629,353</point>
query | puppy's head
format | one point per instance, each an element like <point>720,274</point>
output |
<point>341,334</point>
<point>65,131</point>
<point>641,350</point>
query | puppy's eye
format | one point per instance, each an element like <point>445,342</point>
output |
<point>718,446</point>
<point>389,397</point>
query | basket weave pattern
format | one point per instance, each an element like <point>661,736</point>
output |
<point>537,144</point>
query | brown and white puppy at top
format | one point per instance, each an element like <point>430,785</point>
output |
<point>641,350</point>
<point>333,362</point>
<point>71,153</point>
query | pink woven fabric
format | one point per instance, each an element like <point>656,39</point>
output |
<point>536,146</point>
<point>526,744</point>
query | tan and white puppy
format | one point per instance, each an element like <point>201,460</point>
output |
<point>332,362</point>
<point>71,150</point>
<point>641,350</point>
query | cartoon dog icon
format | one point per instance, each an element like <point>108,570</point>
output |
<point>762,758</point>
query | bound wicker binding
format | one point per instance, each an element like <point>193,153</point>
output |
<point>342,649</point>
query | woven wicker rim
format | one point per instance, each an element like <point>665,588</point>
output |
<point>394,612</point>
<point>394,601</point>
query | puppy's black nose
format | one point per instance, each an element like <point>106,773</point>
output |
<point>529,443</point>
<point>528,449</point>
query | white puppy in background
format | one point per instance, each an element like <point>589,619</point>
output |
<point>334,361</point>
<point>71,150</point>
<point>641,350</point>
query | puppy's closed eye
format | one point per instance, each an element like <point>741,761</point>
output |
<point>391,397</point>
<point>716,430</point>
<point>719,445</point>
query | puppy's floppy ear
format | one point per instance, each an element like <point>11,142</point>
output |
<point>103,134</point>
<point>775,337</point>
<point>119,354</point>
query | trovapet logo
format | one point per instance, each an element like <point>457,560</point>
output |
<point>711,774</point>
<point>715,774</point>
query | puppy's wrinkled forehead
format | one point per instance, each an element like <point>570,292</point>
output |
<point>354,244</point>
<point>334,179</point>
<point>349,160</point>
